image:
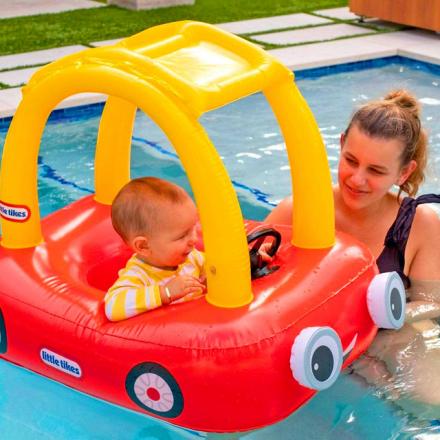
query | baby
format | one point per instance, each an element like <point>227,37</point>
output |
<point>157,219</point>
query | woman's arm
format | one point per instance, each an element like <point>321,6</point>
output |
<point>425,300</point>
<point>421,310</point>
<point>281,214</point>
<point>424,245</point>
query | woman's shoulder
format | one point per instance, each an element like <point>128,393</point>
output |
<point>282,213</point>
<point>427,221</point>
<point>423,218</point>
<point>424,245</point>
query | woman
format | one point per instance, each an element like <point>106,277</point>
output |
<point>385,146</point>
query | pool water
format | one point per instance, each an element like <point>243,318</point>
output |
<point>250,144</point>
<point>33,407</point>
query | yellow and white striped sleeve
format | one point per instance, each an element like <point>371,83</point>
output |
<point>199,262</point>
<point>133,293</point>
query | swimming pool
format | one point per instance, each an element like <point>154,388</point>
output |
<point>255,158</point>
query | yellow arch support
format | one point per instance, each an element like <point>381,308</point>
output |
<point>113,148</point>
<point>174,73</point>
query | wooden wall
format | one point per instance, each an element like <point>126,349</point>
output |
<point>418,13</point>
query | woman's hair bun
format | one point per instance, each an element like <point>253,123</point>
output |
<point>404,100</point>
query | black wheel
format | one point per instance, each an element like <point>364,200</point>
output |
<point>153,388</point>
<point>259,267</point>
<point>3,338</point>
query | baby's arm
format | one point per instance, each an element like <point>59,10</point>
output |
<point>130,296</point>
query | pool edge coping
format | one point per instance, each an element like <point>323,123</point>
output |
<point>92,102</point>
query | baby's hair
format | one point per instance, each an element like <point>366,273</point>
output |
<point>136,209</point>
<point>397,116</point>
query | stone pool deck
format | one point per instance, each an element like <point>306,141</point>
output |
<point>301,41</point>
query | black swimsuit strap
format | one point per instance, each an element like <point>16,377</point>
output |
<point>393,254</point>
<point>398,233</point>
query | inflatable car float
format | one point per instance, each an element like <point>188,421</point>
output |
<point>251,351</point>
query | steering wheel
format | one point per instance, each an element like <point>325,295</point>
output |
<point>259,267</point>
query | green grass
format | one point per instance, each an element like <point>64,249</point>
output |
<point>25,34</point>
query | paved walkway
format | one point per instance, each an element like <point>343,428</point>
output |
<point>313,40</point>
<point>19,8</point>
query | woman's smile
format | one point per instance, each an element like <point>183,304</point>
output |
<point>353,190</point>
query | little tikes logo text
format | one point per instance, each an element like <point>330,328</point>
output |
<point>14,213</point>
<point>60,362</point>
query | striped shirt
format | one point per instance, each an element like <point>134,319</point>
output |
<point>137,288</point>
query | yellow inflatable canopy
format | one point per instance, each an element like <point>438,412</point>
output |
<point>174,73</point>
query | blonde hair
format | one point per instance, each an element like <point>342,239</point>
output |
<point>136,209</point>
<point>397,116</point>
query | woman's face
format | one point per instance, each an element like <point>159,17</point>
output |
<point>368,167</point>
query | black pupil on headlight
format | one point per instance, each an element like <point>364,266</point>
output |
<point>322,363</point>
<point>396,303</point>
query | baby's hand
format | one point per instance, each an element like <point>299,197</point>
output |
<point>263,252</point>
<point>183,285</point>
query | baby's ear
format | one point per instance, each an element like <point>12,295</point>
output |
<point>140,244</point>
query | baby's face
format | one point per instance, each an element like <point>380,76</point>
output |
<point>170,245</point>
